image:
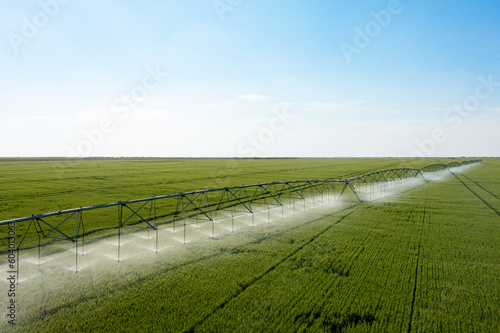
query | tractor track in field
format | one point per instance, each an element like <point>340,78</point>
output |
<point>269,270</point>
<point>291,254</point>
<point>494,195</point>
<point>417,266</point>
<point>477,195</point>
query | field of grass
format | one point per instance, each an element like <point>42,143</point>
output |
<point>35,187</point>
<point>38,186</point>
<point>425,260</point>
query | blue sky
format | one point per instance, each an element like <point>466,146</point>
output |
<point>249,78</point>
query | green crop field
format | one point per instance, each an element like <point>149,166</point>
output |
<point>426,259</point>
<point>34,187</point>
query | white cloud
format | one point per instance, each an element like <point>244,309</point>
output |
<point>252,97</point>
<point>285,104</point>
<point>319,106</point>
<point>92,114</point>
<point>209,105</point>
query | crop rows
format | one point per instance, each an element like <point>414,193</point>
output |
<point>427,260</point>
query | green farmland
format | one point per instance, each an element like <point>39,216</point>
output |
<point>425,260</point>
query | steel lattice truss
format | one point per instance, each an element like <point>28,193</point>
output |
<point>204,203</point>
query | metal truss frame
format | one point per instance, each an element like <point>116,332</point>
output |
<point>198,203</point>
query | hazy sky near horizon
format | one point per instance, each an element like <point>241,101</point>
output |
<point>248,78</point>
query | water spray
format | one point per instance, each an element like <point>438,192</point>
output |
<point>198,206</point>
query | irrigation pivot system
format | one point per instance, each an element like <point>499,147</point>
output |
<point>204,205</point>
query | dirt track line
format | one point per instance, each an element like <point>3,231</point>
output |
<point>417,266</point>
<point>477,195</point>
<point>269,270</point>
<point>480,186</point>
